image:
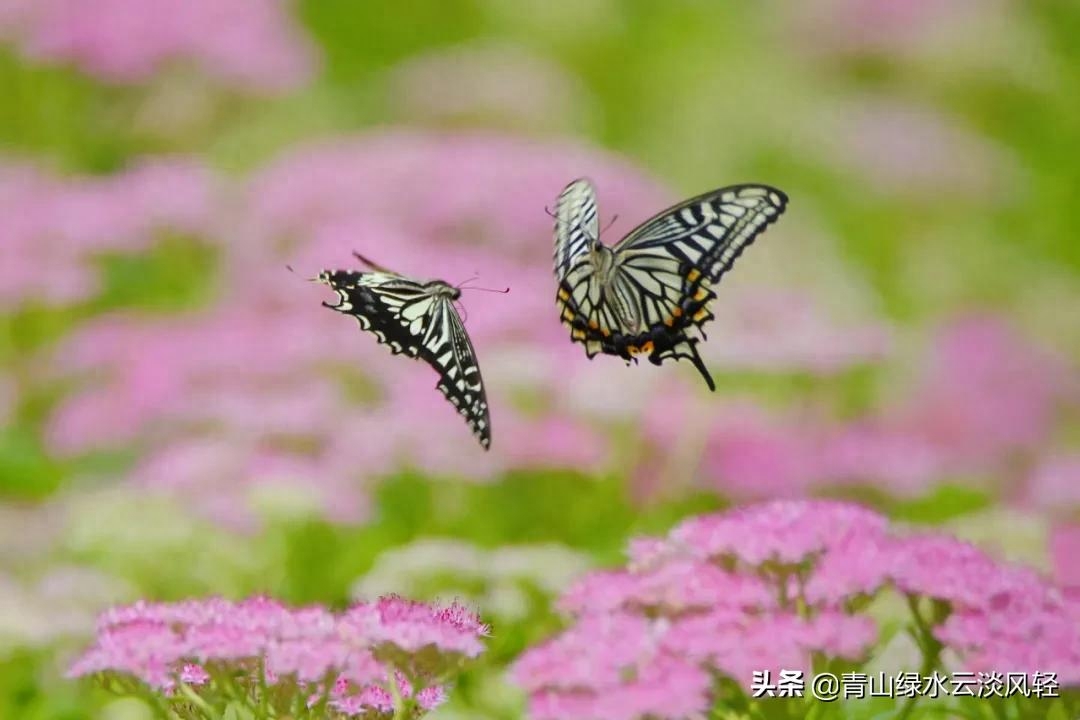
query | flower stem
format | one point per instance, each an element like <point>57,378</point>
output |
<point>198,702</point>
<point>264,700</point>
<point>400,707</point>
<point>929,645</point>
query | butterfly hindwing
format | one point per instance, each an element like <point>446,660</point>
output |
<point>419,320</point>
<point>459,373</point>
<point>649,294</point>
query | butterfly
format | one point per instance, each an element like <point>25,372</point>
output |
<point>647,294</point>
<point>417,318</point>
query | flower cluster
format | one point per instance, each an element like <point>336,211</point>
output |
<point>248,43</point>
<point>266,393</point>
<point>985,394</point>
<point>269,393</point>
<point>776,586</point>
<point>372,661</point>
<point>260,396</point>
<point>54,227</point>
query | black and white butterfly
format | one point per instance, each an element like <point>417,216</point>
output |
<point>417,318</point>
<point>646,294</point>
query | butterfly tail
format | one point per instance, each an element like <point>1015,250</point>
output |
<point>696,359</point>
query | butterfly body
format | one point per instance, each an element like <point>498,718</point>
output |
<point>649,294</point>
<point>417,319</point>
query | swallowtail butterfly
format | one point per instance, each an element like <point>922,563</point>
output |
<point>417,318</point>
<point>647,293</point>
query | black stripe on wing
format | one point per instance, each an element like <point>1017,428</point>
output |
<point>418,320</point>
<point>460,379</point>
<point>659,291</point>
<point>710,231</point>
<point>576,224</point>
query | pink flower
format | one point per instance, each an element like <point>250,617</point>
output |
<point>145,649</point>
<point>54,226</point>
<point>610,666</point>
<point>748,455</point>
<point>193,674</point>
<point>873,454</point>
<point>297,649</point>
<point>502,84</point>
<point>666,689</point>
<point>786,332</point>
<point>670,589</point>
<point>838,634</point>
<point>673,603</point>
<point>1064,546</point>
<point>1054,485</point>
<point>412,626</point>
<point>300,404</point>
<point>1018,638</point>
<point>857,566</point>
<point>987,392</point>
<point>945,568</point>
<point>771,587</point>
<point>889,27</point>
<point>333,183</point>
<point>907,149</point>
<point>737,644</point>
<point>787,532</point>
<point>248,43</point>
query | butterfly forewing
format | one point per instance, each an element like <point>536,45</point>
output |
<point>711,230</point>
<point>418,319</point>
<point>576,224</point>
<point>650,292</point>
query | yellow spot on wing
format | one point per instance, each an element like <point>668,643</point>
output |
<point>563,295</point>
<point>701,314</point>
<point>701,294</point>
<point>693,275</point>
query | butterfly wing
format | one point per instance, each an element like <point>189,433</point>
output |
<point>576,225</point>
<point>418,320</point>
<point>576,234</point>
<point>452,353</point>
<point>660,286</point>
<point>707,232</point>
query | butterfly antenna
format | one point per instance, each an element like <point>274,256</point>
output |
<point>555,217</point>
<point>501,292</point>
<point>371,264</point>
<point>610,223</point>
<point>290,269</point>
<point>461,286</point>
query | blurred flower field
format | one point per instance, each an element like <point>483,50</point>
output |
<point>220,500</point>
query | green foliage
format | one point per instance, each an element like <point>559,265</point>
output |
<point>699,93</point>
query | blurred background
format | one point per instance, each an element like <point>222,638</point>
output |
<point>179,416</point>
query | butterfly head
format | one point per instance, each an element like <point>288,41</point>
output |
<point>443,289</point>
